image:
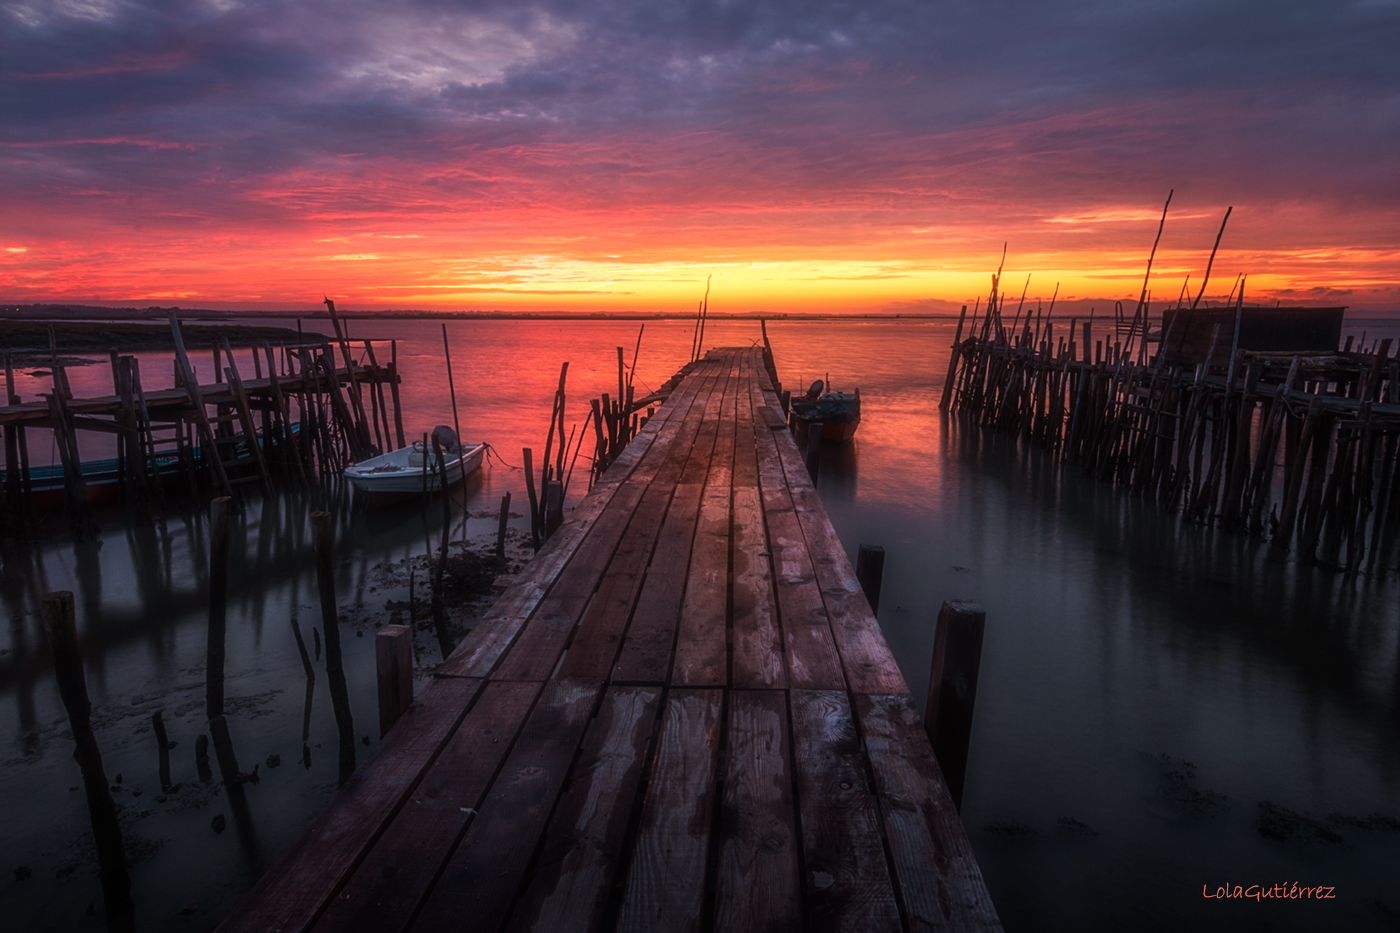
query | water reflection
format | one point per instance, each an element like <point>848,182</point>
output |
<point>1116,635</point>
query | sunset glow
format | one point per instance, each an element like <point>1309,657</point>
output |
<point>548,157</point>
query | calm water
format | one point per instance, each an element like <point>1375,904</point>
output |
<point>1151,694</point>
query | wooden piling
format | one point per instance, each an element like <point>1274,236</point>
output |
<point>947,397</point>
<point>952,689</point>
<point>74,486</point>
<point>530,491</point>
<point>870,571</point>
<point>553,507</point>
<point>393,662</point>
<point>501,527</point>
<point>394,391</point>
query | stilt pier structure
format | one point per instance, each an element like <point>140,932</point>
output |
<point>316,408</point>
<point>681,716</point>
<point>1250,419</point>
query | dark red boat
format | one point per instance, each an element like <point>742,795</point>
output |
<point>837,412</point>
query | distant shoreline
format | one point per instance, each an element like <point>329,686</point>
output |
<point>56,312</point>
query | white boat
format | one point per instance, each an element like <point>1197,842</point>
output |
<point>412,470</point>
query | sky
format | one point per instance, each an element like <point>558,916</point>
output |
<point>865,157</point>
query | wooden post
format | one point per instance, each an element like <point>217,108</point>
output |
<point>393,661</point>
<point>377,389</point>
<point>218,605</point>
<point>356,432</point>
<point>245,418</point>
<point>75,488</point>
<point>13,495</point>
<point>553,507</point>
<point>451,388</point>
<point>394,391</point>
<point>61,624</point>
<point>953,364</point>
<point>534,503</point>
<point>870,570</point>
<point>501,527</point>
<point>322,537</point>
<point>952,688</point>
<point>359,424</point>
<point>206,432</point>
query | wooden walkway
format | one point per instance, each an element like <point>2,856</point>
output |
<point>683,716</point>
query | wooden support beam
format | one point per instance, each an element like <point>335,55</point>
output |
<point>201,417</point>
<point>245,417</point>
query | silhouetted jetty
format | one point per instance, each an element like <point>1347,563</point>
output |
<point>1205,424</point>
<point>308,413</point>
<point>681,716</point>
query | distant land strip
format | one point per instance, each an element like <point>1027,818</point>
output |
<point>27,341</point>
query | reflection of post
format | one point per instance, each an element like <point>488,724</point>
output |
<point>60,621</point>
<point>218,599</point>
<point>233,788</point>
<point>301,649</point>
<point>322,537</point>
<point>814,449</point>
<point>952,688</point>
<point>163,741</point>
<point>306,725</point>
<point>201,759</point>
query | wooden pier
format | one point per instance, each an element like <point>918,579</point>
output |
<point>308,415</point>
<point>682,716</point>
<point>1204,424</point>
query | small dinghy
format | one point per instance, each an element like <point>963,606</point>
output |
<point>413,470</point>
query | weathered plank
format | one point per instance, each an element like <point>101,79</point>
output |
<point>937,874</point>
<point>537,649</point>
<point>481,650</point>
<point>666,879</point>
<point>701,655</point>
<point>846,883</point>
<point>758,644</point>
<point>594,648</point>
<point>391,881</point>
<point>576,869</point>
<point>646,651</point>
<point>480,880</point>
<point>294,891</point>
<point>756,885</point>
<point>648,648</point>
<point>810,650</point>
<point>865,655</point>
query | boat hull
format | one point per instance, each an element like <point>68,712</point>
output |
<point>838,413</point>
<point>399,474</point>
